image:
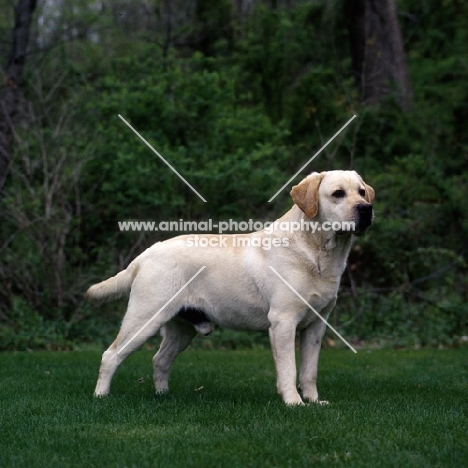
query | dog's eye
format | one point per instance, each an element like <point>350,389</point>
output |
<point>362,192</point>
<point>338,194</point>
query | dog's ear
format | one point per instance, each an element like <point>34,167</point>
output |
<point>370,194</point>
<point>305,195</point>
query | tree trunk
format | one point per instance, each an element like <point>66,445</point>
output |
<point>9,95</point>
<point>378,56</point>
<point>167,13</point>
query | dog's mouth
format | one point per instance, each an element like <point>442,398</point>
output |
<point>358,231</point>
<point>355,232</point>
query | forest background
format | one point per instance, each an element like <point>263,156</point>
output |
<point>237,95</point>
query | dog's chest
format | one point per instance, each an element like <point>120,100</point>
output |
<point>321,299</point>
<point>326,265</point>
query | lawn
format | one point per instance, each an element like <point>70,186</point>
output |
<point>387,409</point>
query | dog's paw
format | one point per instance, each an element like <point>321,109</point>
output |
<point>293,400</point>
<point>322,402</point>
<point>295,403</point>
<point>317,401</point>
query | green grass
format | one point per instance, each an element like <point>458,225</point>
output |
<point>388,409</point>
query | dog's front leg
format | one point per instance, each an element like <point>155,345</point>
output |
<point>310,344</point>
<point>282,336</point>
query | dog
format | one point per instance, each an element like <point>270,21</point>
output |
<point>183,289</point>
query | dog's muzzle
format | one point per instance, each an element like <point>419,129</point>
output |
<point>363,220</point>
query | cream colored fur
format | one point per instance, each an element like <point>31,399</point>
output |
<point>238,289</point>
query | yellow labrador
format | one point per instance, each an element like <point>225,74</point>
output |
<point>245,285</point>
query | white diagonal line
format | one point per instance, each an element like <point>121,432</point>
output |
<point>170,167</point>
<point>161,309</point>
<point>314,156</point>
<point>312,309</point>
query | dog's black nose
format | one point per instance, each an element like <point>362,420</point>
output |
<point>364,209</point>
<point>365,216</point>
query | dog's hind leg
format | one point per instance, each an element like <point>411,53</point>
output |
<point>109,363</point>
<point>177,335</point>
<point>140,323</point>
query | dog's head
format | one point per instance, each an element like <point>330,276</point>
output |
<point>340,198</point>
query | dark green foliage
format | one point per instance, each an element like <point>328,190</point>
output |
<point>190,113</point>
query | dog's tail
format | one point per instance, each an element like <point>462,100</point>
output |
<point>115,287</point>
